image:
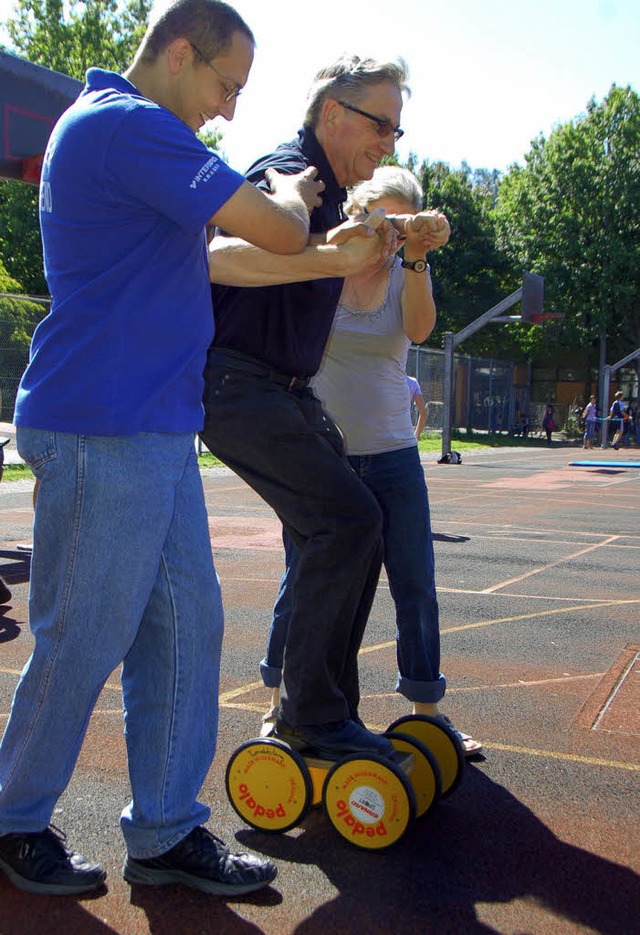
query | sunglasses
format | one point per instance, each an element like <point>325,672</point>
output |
<point>383,127</point>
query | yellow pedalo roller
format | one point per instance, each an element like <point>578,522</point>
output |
<point>369,801</point>
<point>269,785</point>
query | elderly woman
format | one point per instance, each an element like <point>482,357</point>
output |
<point>362,385</point>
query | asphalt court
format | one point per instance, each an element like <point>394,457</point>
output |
<point>537,569</point>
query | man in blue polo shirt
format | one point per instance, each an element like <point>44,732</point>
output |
<point>106,414</point>
<point>263,421</point>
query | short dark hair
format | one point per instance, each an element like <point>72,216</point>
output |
<point>347,78</point>
<point>210,24</point>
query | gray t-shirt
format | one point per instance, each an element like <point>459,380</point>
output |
<point>362,379</point>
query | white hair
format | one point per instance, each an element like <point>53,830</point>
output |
<point>387,182</point>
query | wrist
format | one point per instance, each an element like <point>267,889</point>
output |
<point>332,261</point>
<point>415,257</point>
<point>416,264</point>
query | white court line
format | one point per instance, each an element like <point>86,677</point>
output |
<point>560,561</point>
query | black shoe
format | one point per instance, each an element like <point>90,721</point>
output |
<point>202,861</point>
<point>336,740</point>
<point>40,862</point>
<point>5,593</point>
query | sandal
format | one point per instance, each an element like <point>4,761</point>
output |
<point>469,746</point>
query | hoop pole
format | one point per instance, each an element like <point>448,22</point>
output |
<point>449,339</point>
<point>604,405</point>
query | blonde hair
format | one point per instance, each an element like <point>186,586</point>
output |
<point>387,182</point>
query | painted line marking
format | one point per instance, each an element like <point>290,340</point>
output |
<point>225,697</point>
<point>489,623</point>
<point>521,683</point>
<point>566,757</point>
<point>560,561</point>
<point>615,691</point>
<point>540,613</point>
<point>507,748</point>
<point>533,597</point>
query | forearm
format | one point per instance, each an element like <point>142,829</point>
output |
<point>234,262</point>
<point>418,307</point>
<point>421,421</point>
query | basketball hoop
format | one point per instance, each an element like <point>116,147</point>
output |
<point>552,322</point>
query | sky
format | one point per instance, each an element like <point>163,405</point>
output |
<point>486,78</point>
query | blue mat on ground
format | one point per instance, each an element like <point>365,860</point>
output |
<point>618,464</point>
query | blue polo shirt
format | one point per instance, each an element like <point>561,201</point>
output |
<point>286,326</point>
<point>126,191</point>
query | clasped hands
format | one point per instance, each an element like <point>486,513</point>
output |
<point>370,239</point>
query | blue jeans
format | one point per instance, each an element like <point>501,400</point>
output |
<point>282,443</point>
<point>122,572</point>
<point>396,479</point>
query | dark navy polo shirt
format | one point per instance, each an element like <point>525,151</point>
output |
<point>285,326</point>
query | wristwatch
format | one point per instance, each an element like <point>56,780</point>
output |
<point>418,266</point>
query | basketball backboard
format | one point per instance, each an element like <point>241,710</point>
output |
<point>532,296</point>
<point>31,100</point>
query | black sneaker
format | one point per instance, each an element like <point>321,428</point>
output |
<point>39,862</point>
<point>336,740</point>
<point>5,593</point>
<point>203,861</point>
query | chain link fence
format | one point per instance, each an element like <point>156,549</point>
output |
<point>19,316</point>
<point>483,396</point>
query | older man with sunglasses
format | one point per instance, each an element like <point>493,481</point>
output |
<point>265,423</point>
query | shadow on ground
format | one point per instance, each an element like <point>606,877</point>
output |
<point>432,883</point>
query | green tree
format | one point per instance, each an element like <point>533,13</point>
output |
<point>20,246</point>
<point>18,319</point>
<point>72,36</point>
<point>67,37</point>
<point>212,137</point>
<point>470,272</point>
<point>572,214</point>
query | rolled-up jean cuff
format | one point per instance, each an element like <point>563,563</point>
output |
<point>427,692</point>
<point>271,675</point>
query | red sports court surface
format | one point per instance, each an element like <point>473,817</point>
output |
<point>537,565</point>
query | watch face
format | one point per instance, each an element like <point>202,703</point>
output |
<point>418,265</point>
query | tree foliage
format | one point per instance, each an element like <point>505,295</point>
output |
<point>18,319</point>
<point>70,37</point>
<point>20,246</point>
<point>469,273</point>
<point>572,214</point>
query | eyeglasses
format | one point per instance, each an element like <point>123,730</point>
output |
<point>230,93</point>
<point>383,127</point>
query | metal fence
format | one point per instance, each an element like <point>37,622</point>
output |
<point>19,316</point>
<point>484,397</point>
<point>483,394</point>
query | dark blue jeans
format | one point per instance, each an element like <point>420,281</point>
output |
<point>396,479</point>
<point>282,443</point>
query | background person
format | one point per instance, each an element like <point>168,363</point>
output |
<point>548,423</point>
<point>106,412</point>
<point>417,399</point>
<point>269,343</point>
<point>362,384</point>
<point>590,415</point>
<point>616,415</point>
